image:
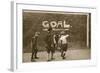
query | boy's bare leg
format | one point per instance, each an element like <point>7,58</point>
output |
<point>48,56</point>
<point>61,53</point>
<point>52,55</point>
<point>32,57</point>
<point>36,55</point>
<point>64,53</point>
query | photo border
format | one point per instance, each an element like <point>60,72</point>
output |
<point>16,59</point>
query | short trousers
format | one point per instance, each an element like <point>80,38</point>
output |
<point>50,49</point>
<point>34,49</point>
<point>64,47</point>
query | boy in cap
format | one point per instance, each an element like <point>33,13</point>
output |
<point>34,44</point>
<point>50,44</point>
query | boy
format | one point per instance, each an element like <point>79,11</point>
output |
<point>63,43</point>
<point>50,44</point>
<point>34,44</point>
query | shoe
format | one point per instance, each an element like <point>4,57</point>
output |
<point>49,60</point>
<point>36,57</point>
<point>52,58</point>
<point>64,57</point>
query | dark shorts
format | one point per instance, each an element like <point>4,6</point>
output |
<point>64,47</point>
<point>34,49</point>
<point>50,49</point>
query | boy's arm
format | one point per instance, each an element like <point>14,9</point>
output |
<point>66,36</point>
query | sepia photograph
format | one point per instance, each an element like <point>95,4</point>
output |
<point>55,36</point>
<point>52,36</point>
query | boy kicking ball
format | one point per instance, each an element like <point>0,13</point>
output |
<point>63,41</point>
